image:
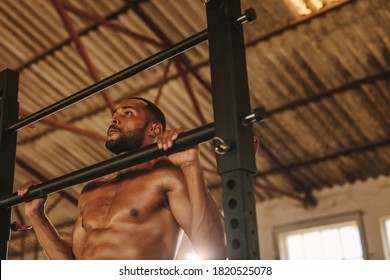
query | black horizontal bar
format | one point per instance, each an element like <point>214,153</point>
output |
<point>112,80</point>
<point>186,140</point>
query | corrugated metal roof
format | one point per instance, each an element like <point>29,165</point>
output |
<point>323,78</point>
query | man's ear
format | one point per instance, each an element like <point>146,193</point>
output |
<point>155,129</point>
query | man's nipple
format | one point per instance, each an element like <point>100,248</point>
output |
<point>134,212</point>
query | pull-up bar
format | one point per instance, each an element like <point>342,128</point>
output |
<point>112,80</point>
<point>186,140</point>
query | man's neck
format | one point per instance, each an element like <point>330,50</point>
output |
<point>142,166</point>
<point>138,167</point>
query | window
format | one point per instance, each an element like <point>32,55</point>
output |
<point>331,240</point>
<point>385,225</point>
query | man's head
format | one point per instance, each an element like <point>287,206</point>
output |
<point>135,123</point>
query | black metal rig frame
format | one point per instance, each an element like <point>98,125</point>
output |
<point>231,103</point>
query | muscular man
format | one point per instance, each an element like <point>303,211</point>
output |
<point>137,212</point>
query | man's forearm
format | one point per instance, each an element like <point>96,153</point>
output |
<point>207,232</point>
<point>55,247</point>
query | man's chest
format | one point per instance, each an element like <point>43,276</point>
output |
<point>128,202</point>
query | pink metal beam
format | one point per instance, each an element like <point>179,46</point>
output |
<point>180,59</point>
<point>114,26</point>
<point>188,87</point>
<point>67,126</point>
<point>163,81</point>
<point>81,49</point>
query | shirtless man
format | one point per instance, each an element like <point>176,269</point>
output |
<point>137,213</point>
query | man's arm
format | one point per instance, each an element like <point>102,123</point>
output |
<point>55,247</point>
<point>78,239</point>
<point>206,230</point>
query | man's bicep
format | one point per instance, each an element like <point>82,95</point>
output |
<point>180,207</point>
<point>78,238</point>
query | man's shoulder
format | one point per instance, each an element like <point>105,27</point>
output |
<point>165,165</point>
<point>98,182</point>
<point>168,175</point>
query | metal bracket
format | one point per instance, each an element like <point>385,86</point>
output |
<point>220,146</point>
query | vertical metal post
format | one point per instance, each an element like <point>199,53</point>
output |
<point>9,108</point>
<point>230,103</point>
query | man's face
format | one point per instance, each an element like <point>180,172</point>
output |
<point>128,127</point>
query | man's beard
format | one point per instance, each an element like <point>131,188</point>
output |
<point>128,141</point>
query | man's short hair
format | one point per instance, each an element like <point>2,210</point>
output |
<point>153,113</point>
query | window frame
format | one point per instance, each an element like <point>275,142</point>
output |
<point>321,223</point>
<point>385,237</point>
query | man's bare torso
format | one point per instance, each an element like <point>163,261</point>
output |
<point>129,217</point>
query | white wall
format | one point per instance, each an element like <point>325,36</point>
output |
<point>371,197</point>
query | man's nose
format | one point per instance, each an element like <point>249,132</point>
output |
<point>114,121</point>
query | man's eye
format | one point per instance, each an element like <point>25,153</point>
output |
<point>128,113</point>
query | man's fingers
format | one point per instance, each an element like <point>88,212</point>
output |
<point>26,187</point>
<point>166,139</point>
<point>16,226</point>
<point>161,140</point>
<point>177,132</point>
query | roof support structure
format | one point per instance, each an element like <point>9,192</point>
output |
<point>128,72</point>
<point>81,49</point>
<point>181,60</point>
<point>162,82</point>
<point>190,92</point>
<point>112,25</point>
<point>106,21</point>
<point>67,126</point>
